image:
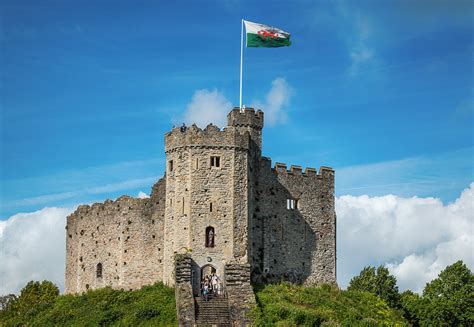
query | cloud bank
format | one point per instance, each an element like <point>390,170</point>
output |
<point>415,237</point>
<point>32,247</point>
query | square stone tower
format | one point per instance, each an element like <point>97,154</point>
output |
<point>208,179</point>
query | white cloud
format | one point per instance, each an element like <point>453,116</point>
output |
<point>142,195</point>
<point>415,237</point>
<point>207,107</point>
<point>32,248</point>
<point>277,98</point>
<point>212,106</point>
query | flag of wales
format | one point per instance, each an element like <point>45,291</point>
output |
<point>264,36</point>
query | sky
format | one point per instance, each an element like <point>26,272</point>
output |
<point>382,91</point>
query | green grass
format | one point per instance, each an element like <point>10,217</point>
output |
<point>292,305</point>
<point>278,305</point>
<point>150,306</point>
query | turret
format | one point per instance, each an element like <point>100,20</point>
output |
<point>248,120</point>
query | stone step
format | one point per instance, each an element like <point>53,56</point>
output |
<point>214,312</point>
<point>218,324</point>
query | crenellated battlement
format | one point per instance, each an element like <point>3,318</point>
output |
<point>281,168</point>
<point>246,118</point>
<point>211,136</point>
<point>121,205</point>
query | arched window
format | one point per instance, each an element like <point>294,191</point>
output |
<point>99,270</point>
<point>210,237</point>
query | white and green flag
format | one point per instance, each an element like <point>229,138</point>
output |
<point>264,36</point>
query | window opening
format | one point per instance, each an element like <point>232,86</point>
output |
<point>210,207</point>
<point>170,165</point>
<point>291,204</point>
<point>215,161</point>
<point>99,270</point>
<point>210,237</point>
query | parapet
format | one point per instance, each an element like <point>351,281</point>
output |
<point>122,204</point>
<point>211,136</point>
<point>246,118</point>
<point>281,168</point>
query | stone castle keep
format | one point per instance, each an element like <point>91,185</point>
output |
<point>221,207</point>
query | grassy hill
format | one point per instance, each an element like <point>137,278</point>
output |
<point>151,306</point>
<point>278,305</point>
<point>293,305</point>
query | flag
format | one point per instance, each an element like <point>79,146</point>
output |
<point>264,36</point>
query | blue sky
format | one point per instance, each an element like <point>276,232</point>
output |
<point>382,91</point>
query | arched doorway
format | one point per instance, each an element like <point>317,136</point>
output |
<point>207,270</point>
<point>198,275</point>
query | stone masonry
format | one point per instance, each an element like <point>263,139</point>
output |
<point>224,205</point>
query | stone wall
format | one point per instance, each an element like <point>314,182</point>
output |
<point>294,244</point>
<point>183,290</point>
<point>124,237</point>
<point>239,292</point>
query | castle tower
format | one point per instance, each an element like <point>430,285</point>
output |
<point>207,193</point>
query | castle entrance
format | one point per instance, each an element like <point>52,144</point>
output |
<point>207,270</point>
<point>199,274</point>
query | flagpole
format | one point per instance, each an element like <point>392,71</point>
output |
<point>241,60</point>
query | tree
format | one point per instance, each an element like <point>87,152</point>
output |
<point>449,299</point>
<point>378,282</point>
<point>411,304</point>
<point>35,294</point>
<point>6,301</point>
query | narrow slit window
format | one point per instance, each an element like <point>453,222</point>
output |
<point>170,165</point>
<point>182,210</point>
<point>99,270</point>
<point>210,207</point>
<point>196,165</point>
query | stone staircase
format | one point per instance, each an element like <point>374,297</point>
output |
<point>214,312</point>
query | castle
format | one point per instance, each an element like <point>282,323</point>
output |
<point>222,204</point>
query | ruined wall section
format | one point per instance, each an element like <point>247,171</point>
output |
<point>298,244</point>
<point>200,195</point>
<point>124,236</point>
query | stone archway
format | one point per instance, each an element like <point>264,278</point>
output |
<point>207,270</point>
